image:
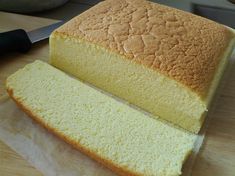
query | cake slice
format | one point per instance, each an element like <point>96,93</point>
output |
<point>164,60</point>
<point>122,138</point>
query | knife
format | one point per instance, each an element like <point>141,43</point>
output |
<point>21,41</point>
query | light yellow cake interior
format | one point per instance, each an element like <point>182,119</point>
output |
<point>113,131</point>
<point>143,87</point>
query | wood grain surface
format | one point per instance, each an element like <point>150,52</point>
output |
<point>216,157</point>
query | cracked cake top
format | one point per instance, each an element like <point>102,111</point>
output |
<point>180,45</point>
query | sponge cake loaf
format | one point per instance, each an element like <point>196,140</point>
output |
<point>164,60</point>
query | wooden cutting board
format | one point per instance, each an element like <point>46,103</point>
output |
<point>217,155</point>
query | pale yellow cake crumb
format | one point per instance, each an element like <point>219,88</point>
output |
<point>124,139</point>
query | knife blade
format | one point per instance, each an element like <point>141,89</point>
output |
<point>21,41</point>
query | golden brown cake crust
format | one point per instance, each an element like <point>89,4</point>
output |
<point>182,46</point>
<point>109,164</point>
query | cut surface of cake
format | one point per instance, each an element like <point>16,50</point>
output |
<point>164,60</point>
<point>124,139</point>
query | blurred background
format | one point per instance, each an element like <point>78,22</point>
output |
<point>222,11</point>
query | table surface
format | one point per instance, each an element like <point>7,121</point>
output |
<point>216,157</point>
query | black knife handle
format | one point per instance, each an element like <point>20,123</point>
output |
<point>14,41</point>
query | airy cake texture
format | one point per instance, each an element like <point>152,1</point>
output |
<point>124,139</point>
<point>164,60</point>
